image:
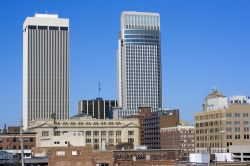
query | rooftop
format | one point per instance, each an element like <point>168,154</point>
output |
<point>46,15</point>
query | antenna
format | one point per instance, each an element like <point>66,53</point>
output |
<point>99,89</point>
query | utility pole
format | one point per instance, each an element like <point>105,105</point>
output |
<point>21,134</point>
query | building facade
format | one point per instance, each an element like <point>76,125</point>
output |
<point>83,131</point>
<point>154,122</point>
<point>181,137</point>
<point>45,68</point>
<point>10,141</point>
<point>139,61</point>
<point>88,157</point>
<point>97,108</point>
<point>222,123</point>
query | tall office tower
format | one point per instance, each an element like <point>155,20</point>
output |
<point>139,61</point>
<point>45,68</point>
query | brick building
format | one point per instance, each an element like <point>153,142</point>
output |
<point>153,124</point>
<point>10,140</point>
<point>180,137</point>
<point>85,155</point>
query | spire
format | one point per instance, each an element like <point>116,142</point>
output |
<point>99,90</point>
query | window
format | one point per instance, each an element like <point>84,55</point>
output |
<point>131,140</point>
<point>45,133</point>
<point>74,153</point>
<point>111,141</point>
<point>228,115</point>
<point>130,132</point>
<point>118,133</point>
<point>14,139</point>
<point>63,28</point>
<point>229,129</point>
<point>237,136</point>
<point>246,136</point>
<point>43,27</point>
<point>31,139</point>
<point>88,140</point>
<point>88,133</point>
<point>25,139</point>
<point>237,114</point>
<point>31,27</point>
<point>96,141</point>
<point>118,140</point>
<point>246,129</point>
<point>56,142</point>
<point>245,114</point>
<point>245,122</point>
<point>53,28</point>
<point>237,122</point>
<point>111,133</point>
<point>57,133</point>
<point>60,153</point>
<point>103,133</point>
<point>96,133</point>
<point>237,129</point>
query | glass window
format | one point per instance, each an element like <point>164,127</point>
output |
<point>88,133</point>
<point>130,132</point>
<point>45,133</point>
<point>88,140</point>
<point>118,133</point>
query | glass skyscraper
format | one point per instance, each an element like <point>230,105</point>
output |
<point>139,61</point>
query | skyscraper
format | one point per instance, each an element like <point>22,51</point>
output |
<point>139,61</point>
<point>45,67</point>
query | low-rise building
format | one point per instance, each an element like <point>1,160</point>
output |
<point>10,140</point>
<point>240,152</point>
<point>222,123</point>
<point>88,157</point>
<point>83,130</point>
<point>180,137</point>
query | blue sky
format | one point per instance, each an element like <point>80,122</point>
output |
<point>205,44</point>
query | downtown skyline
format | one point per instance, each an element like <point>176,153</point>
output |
<point>201,49</point>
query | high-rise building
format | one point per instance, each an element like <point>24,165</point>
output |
<point>139,61</point>
<point>45,68</point>
<point>97,108</point>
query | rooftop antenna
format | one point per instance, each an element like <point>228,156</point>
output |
<point>99,90</point>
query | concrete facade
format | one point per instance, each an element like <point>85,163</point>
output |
<point>45,68</point>
<point>221,125</point>
<point>100,134</point>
